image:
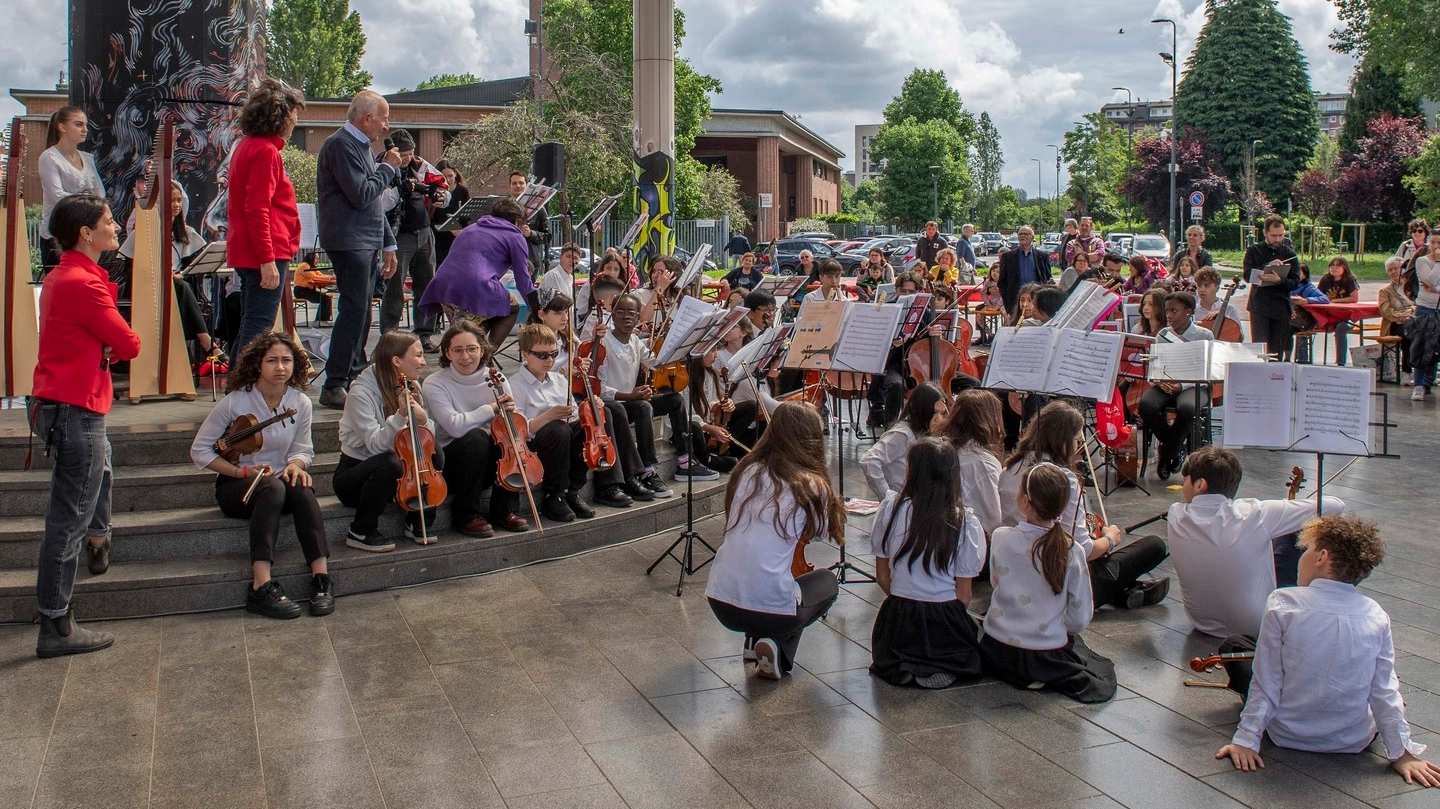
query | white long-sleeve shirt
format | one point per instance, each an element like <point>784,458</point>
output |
<point>457,403</point>
<point>1428,271</point>
<point>1024,611</point>
<point>980,485</point>
<point>281,442</point>
<point>752,568</point>
<point>365,429</point>
<point>1324,674</point>
<point>1072,518</point>
<point>621,368</point>
<point>884,464</point>
<point>534,395</point>
<point>1224,558</point>
<point>59,179</point>
<point>908,576</point>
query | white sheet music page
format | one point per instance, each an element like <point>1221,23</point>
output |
<point>1332,409</point>
<point>1087,305</point>
<point>865,343</point>
<point>1020,358</point>
<point>1085,364</point>
<point>1259,404</point>
<point>1180,362</point>
<point>688,312</point>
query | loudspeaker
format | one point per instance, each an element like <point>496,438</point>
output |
<point>547,164</point>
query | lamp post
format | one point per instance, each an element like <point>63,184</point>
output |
<point>935,193</point>
<point>1059,218</point>
<point>1039,192</point>
<point>1174,60</point>
<point>1129,152</point>
<point>1250,201</point>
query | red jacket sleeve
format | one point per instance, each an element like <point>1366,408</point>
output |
<point>260,184</point>
<point>103,320</point>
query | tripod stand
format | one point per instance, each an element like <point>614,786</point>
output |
<point>688,537</point>
<point>844,566</point>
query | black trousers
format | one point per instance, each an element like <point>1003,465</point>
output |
<point>1240,671</point>
<point>1112,575</point>
<point>1187,403</point>
<point>886,396</point>
<point>561,446</point>
<point>639,414</point>
<point>192,320</point>
<point>617,423</point>
<point>272,498</point>
<point>818,590</point>
<point>368,486</point>
<point>744,426</point>
<point>355,274</point>
<point>470,463</point>
<point>1274,332</point>
<point>317,297</point>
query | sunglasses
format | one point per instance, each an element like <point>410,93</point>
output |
<point>544,355</point>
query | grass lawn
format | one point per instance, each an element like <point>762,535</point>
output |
<point>1370,267</point>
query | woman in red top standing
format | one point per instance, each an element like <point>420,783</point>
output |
<point>264,232</point>
<point>81,331</point>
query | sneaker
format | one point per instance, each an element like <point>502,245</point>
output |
<point>723,463</point>
<point>477,526</point>
<point>767,659</point>
<point>637,491</point>
<point>555,508</point>
<point>940,679</point>
<point>1407,379</point>
<point>695,471</point>
<point>270,601</point>
<point>99,556</point>
<point>1417,394</point>
<point>611,495</point>
<point>333,398</point>
<point>322,594</point>
<point>748,655</point>
<point>1147,593</point>
<point>360,542</point>
<point>412,533</point>
<point>578,505</point>
<point>657,487</point>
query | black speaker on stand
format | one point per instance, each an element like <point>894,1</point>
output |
<point>548,166</point>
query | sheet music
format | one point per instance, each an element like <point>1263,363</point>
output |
<point>1333,410</point>
<point>1181,362</point>
<point>692,270</point>
<point>309,230</point>
<point>635,227</point>
<point>817,331</point>
<point>688,313</point>
<point>1020,358</point>
<point>1259,404</point>
<point>1135,355</point>
<point>865,343</point>
<point>751,351</point>
<point>1084,364</point>
<point>788,286</point>
<point>1087,305</point>
<point>1223,354</point>
<point>724,321</point>
<point>534,197</point>
<point>914,314</point>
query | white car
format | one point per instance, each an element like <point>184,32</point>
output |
<point>1152,245</point>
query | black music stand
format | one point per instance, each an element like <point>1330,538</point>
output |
<point>471,210</point>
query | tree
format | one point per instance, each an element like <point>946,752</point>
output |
<point>1248,79</point>
<point>1315,194</point>
<point>720,197</point>
<point>445,80</point>
<point>1371,186</point>
<point>1424,178</point>
<point>316,45</point>
<point>1198,170</point>
<point>926,96</point>
<point>864,203</point>
<point>1096,151</point>
<point>987,160</point>
<point>906,187</point>
<point>300,167</point>
<point>1397,33</point>
<point>1374,90</point>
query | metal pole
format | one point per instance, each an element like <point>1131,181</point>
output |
<point>654,122</point>
<point>1039,192</point>
<point>1174,119</point>
<point>1129,152</point>
<point>1059,219</point>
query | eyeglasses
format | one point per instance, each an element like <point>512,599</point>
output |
<point>544,355</point>
<point>464,351</point>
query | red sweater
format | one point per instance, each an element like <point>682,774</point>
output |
<point>264,220</point>
<point>78,318</point>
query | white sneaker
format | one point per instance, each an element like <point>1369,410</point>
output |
<point>1418,393</point>
<point>767,659</point>
<point>1407,379</point>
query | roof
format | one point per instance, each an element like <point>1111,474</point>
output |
<point>785,119</point>
<point>496,93</point>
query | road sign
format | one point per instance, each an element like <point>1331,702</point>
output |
<point>1197,199</point>
<point>1197,211</point>
<point>767,200</point>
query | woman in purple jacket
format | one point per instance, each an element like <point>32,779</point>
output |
<point>468,287</point>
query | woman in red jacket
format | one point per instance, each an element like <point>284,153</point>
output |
<point>81,331</point>
<point>264,232</point>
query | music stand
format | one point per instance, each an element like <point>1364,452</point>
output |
<point>208,263</point>
<point>594,221</point>
<point>473,209</point>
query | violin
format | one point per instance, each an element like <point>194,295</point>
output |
<point>1211,662</point>
<point>244,435</point>
<point>799,565</point>
<point>1297,480</point>
<point>718,414</point>
<point>421,486</point>
<point>518,468</point>
<point>599,451</point>
<point>674,376</point>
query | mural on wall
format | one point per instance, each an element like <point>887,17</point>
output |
<point>133,61</point>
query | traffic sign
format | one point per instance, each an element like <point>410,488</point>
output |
<point>766,200</point>
<point>1197,198</point>
<point>1197,211</point>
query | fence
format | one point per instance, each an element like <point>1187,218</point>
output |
<point>689,233</point>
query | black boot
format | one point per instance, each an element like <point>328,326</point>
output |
<point>62,636</point>
<point>99,557</point>
<point>322,594</point>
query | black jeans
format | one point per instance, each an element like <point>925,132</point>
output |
<point>1240,671</point>
<point>192,319</point>
<point>369,486</point>
<point>355,274</point>
<point>272,498</point>
<point>1274,332</point>
<point>561,446</point>
<point>79,495</point>
<point>744,426</point>
<point>664,403</point>
<point>415,257</point>
<point>1112,575</point>
<point>818,591</point>
<point>1187,403</point>
<point>886,397</point>
<point>469,470</point>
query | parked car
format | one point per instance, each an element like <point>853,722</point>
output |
<point>1051,247</point>
<point>553,256</point>
<point>1012,241</point>
<point>787,253</point>
<point>817,235</point>
<point>991,244</point>
<point>1153,245</point>
<point>684,256</point>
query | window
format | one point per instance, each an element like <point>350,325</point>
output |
<point>720,161</point>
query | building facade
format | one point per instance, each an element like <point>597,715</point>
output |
<point>1138,115</point>
<point>865,168</point>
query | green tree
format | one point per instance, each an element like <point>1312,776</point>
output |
<point>300,167</point>
<point>1248,79</point>
<point>1399,34</point>
<point>1095,151</point>
<point>987,160</point>
<point>864,201</point>
<point>906,186</point>
<point>1424,179</point>
<point>445,80</point>
<point>927,97</point>
<point>1374,90</point>
<point>316,45</point>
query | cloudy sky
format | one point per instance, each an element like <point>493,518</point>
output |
<point>1035,65</point>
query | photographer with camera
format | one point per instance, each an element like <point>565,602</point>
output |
<point>418,189</point>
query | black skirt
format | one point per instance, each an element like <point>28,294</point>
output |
<point>914,639</point>
<point>1073,670</point>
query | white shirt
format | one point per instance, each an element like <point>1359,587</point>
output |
<point>752,567</point>
<point>885,462</point>
<point>623,361</point>
<point>909,577</point>
<point>178,251</point>
<point>458,403</point>
<point>533,396</point>
<point>556,279</point>
<point>1222,553</point>
<point>59,179</point>
<point>281,442</point>
<point>365,429</point>
<point>1428,271</point>
<point>1024,611</point>
<point>1325,675</point>
<point>980,485</point>
<point>1072,518</point>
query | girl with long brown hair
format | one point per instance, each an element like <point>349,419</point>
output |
<point>1041,600</point>
<point>64,170</point>
<point>778,496</point>
<point>977,431</point>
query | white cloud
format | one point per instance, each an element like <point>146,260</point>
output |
<point>407,41</point>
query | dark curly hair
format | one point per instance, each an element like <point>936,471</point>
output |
<point>510,211</point>
<point>1354,544</point>
<point>246,371</point>
<point>267,108</point>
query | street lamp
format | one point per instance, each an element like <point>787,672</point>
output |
<point>1059,219</point>
<point>935,192</point>
<point>1129,152</point>
<point>1039,193</point>
<point>1174,62</point>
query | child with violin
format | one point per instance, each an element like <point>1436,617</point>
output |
<point>977,431</point>
<point>1324,663</point>
<point>464,405</point>
<point>778,498</point>
<point>1226,550</point>
<point>257,441</point>
<point>1041,600</point>
<point>1186,399</point>
<point>710,410</point>
<point>660,294</point>
<point>923,414</point>
<point>1056,437</point>
<point>1207,307</point>
<point>930,546</point>
<point>383,400</point>
<point>543,398</point>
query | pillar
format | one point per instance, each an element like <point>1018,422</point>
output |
<point>654,119</point>
<point>767,181</point>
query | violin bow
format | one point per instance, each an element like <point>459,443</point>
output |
<point>420,485</point>
<point>1099,498</point>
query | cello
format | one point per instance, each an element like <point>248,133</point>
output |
<point>599,450</point>
<point>421,486</point>
<point>934,359</point>
<point>518,468</point>
<point>1224,328</point>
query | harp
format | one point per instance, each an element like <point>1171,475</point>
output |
<point>19,331</point>
<point>163,366</point>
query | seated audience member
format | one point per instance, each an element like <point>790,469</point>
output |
<point>1395,308</point>
<point>1339,285</point>
<point>1142,275</point>
<point>309,283</point>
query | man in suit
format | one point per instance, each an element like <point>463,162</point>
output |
<point>536,231</point>
<point>354,232</point>
<point>1021,266</point>
<point>1269,301</point>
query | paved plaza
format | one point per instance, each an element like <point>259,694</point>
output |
<point>584,683</point>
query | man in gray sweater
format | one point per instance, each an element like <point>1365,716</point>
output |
<point>354,232</point>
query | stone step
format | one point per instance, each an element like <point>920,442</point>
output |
<point>217,579</point>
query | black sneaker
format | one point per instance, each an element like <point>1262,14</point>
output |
<point>695,471</point>
<point>578,505</point>
<point>637,491</point>
<point>652,481</point>
<point>361,542</point>
<point>554,507</point>
<point>723,463</point>
<point>322,594</point>
<point>413,533</point>
<point>270,601</point>
<point>1147,593</point>
<point>611,495</point>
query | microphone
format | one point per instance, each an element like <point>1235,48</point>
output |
<point>389,144</point>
